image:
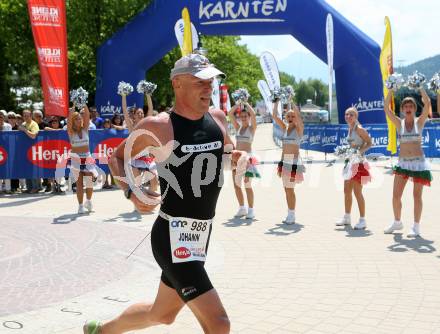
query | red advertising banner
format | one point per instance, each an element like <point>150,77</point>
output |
<point>48,20</point>
<point>224,97</point>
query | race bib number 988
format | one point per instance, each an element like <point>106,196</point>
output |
<point>188,239</point>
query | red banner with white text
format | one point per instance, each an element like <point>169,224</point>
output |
<point>48,21</point>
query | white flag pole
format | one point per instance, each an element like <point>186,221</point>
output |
<point>215,98</point>
<point>330,54</point>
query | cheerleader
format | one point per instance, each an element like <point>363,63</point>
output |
<point>83,167</point>
<point>145,162</point>
<point>290,168</point>
<point>412,163</point>
<point>244,138</point>
<point>356,170</point>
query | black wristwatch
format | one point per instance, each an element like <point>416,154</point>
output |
<point>128,192</point>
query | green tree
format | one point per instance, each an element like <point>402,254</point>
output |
<point>320,98</point>
<point>287,79</point>
<point>303,91</point>
<point>89,24</point>
<point>6,101</point>
<point>312,89</point>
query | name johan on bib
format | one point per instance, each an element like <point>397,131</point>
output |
<point>188,239</point>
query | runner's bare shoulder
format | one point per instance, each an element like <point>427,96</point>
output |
<point>219,115</point>
<point>159,125</point>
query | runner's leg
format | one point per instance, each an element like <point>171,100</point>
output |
<point>210,313</point>
<point>163,311</point>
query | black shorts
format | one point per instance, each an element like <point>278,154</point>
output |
<point>189,279</point>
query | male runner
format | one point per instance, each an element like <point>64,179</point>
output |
<point>189,146</point>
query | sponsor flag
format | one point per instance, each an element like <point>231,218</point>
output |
<point>48,21</point>
<point>179,29</point>
<point>263,87</point>
<point>386,67</point>
<point>216,93</point>
<point>187,35</point>
<point>225,103</point>
<point>270,70</point>
<point>330,53</point>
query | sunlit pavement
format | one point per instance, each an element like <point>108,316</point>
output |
<point>59,269</point>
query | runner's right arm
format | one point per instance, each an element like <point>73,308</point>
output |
<point>141,138</point>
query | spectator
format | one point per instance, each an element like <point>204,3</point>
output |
<point>107,124</point>
<point>54,184</point>
<point>38,117</point>
<point>117,122</point>
<point>19,122</point>
<point>94,117</point>
<point>5,127</point>
<point>42,125</point>
<point>30,128</point>
<point>12,119</point>
<point>53,124</point>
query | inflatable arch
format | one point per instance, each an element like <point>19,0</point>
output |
<point>150,35</point>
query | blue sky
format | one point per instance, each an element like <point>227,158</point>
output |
<point>415,27</point>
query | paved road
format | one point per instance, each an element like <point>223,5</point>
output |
<point>58,269</point>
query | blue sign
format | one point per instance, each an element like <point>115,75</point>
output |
<point>325,138</point>
<point>22,157</point>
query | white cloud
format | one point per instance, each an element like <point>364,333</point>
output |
<point>415,28</point>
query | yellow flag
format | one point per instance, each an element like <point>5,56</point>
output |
<point>386,67</point>
<point>187,33</point>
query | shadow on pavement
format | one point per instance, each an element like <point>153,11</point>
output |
<point>352,233</point>
<point>237,222</point>
<point>28,198</point>
<point>67,219</point>
<point>128,217</point>
<point>284,229</point>
<point>418,244</point>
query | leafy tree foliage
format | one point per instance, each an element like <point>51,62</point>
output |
<point>89,24</point>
